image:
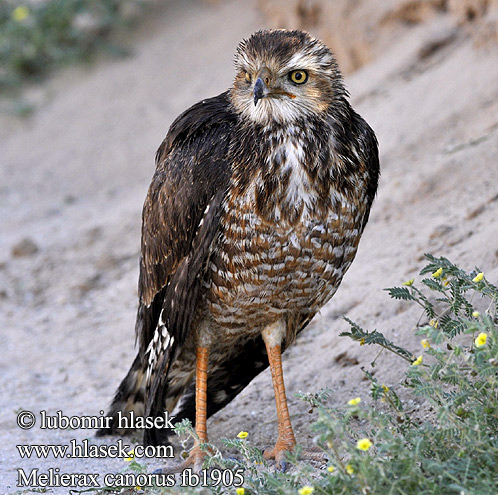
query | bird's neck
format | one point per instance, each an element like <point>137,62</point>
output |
<point>287,173</point>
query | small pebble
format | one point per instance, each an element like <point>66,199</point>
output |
<point>25,247</point>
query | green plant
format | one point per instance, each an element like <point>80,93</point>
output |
<point>455,451</point>
<point>36,38</point>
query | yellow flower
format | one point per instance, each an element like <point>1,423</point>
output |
<point>306,490</point>
<point>425,343</point>
<point>242,435</point>
<point>434,323</point>
<point>131,455</point>
<point>437,273</point>
<point>331,469</point>
<point>240,491</point>
<point>417,361</point>
<point>362,341</point>
<point>481,339</point>
<point>478,277</point>
<point>363,444</point>
<point>20,13</point>
<point>476,314</point>
<point>349,469</point>
<point>409,283</point>
<point>354,402</point>
<point>385,389</point>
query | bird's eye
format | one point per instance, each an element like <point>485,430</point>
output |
<point>298,76</point>
<point>248,77</point>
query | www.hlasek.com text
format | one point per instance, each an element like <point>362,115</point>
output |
<point>86,450</point>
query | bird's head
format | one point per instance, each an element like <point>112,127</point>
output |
<point>284,76</point>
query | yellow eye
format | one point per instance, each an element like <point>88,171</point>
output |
<point>298,76</point>
<point>248,77</point>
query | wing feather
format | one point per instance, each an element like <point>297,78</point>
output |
<point>180,221</point>
<point>191,170</point>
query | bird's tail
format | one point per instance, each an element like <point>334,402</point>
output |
<point>129,398</point>
<point>227,377</point>
<point>177,393</point>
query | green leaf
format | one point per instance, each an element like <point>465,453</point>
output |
<point>400,293</point>
<point>367,338</point>
<point>433,284</point>
<point>452,327</point>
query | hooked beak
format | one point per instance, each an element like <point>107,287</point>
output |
<point>261,86</point>
<point>259,90</point>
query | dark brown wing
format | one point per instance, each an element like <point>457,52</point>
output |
<point>180,220</point>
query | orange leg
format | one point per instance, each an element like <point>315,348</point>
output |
<point>286,440</point>
<point>201,393</point>
<point>196,455</point>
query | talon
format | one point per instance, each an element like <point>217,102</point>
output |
<point>283,466</point>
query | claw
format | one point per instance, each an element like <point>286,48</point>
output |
<point>283,466</point>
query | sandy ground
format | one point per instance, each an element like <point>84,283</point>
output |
<point>74,176</point>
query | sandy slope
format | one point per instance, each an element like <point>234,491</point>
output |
<point>73,178</point>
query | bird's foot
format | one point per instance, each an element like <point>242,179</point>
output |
<point>283,448</point>
<point>279,453</point>
<point>193,461</point>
